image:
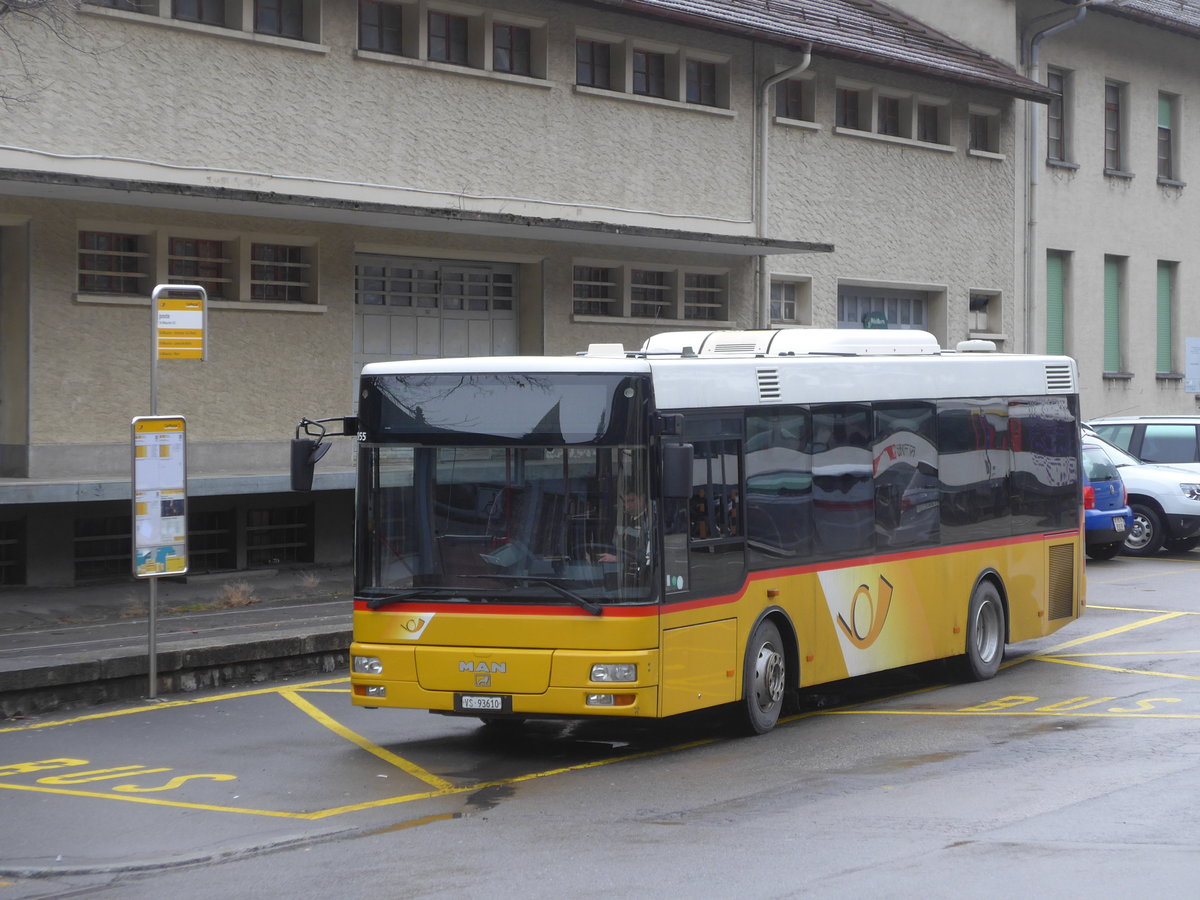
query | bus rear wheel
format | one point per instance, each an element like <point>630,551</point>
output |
<point>985,633</point>
<point>764,679</point>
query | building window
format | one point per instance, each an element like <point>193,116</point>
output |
<point>794,99</point>
<point>649,294</point>
<point>448,36</point>
<point>1164,357</point>
<point>12,552</point>
<point>649,73</point>
<point>984,131</point>
<point>983,312</point>
<point>902,309</point>
<point>889,116</point>
<point>929,123</point>
<point>703,296</point>
<point>784,307</point>
<point>279,535</point>
<point>1166,137</point>
<point>284,18</point>
<point>137,6</point>
<point>1056,280</point>
<point>1114,291</point>
<point>701,82</point>
<point>202,262</point>
<point>1056,122</point>
<point>592,64</point>
<point>113,263</point>
<point>1113,152</point>
<point>848,103</point>
<point>511,49</point>
<point>279,273</point>
<point>381,27</point>
<point>210,12</point>
<point>596,291</point>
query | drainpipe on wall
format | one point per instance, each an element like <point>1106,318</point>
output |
<point>1031,38</point>
<point>764,121</point>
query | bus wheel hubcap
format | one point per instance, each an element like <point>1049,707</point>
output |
<point>768,676</point>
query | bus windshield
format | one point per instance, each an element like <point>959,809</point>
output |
<point>505,524</point>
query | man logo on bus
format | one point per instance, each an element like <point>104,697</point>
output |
<point>876,615</point>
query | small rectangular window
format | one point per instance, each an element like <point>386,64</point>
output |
<point>380,27</point>
<point>112,263</point>
<point>1113,151</point>
<point>279,273</point>
<point>847,112</point>
<point>929,123</point>
<point>284,18</point>
<point>703,296</point>
<point>1056,275</point>
<point>448,36</point>
<point>793,100</point>
<point>783,301</point>
<point>984,131</point>
<point>1165,331</point>
<point>889,116</point>
<point>701,82</point>
<point>1114,300</point>
<point>592,64</point>
<point>210,12</point>
<point>511,49</point>
<point>649,73</point>
<point>595,291</point>
<point>202,262</point>
<point>1056,123</point>
<point>1166,137</point>
<point>649,294</point>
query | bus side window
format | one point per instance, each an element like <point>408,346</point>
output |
<point>778,496</point>
<point>843,490</point>
<point>906,474</point>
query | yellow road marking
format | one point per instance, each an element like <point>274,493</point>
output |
<point>1120,629</point>
<point>1071,662</point>
<point>1010,713</point>
<point>175,704</point>
<point>357,739</point>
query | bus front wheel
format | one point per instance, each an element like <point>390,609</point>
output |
<point>764,679</point>
<point>985,632</point>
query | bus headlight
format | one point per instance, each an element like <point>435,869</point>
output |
<point>612,672</point>
<point>368,665</point>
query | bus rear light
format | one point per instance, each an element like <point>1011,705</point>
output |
<point>611,699</point>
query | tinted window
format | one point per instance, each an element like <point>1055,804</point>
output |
<point>778,486</point>
<point>1097,466</point>
<point>1169,443</point>
<point>973,469</point>
<point>843,497</point>
<point>714,511</point>
<point>1045,445</point>
<point>906,475</point>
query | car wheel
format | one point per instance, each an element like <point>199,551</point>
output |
<point>985,633</point>
<point>1181,545</point>
<point>764,680</point>
<point>1146,536</point>
<point>1104,551</point>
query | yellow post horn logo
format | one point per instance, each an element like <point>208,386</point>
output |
<point>878,615</point>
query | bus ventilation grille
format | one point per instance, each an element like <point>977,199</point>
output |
<point>1062,581</point>
<point>1059,380</point>
<point>768,385</point>
<point>739,347</point>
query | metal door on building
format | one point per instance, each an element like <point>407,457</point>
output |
<point>408,308</point>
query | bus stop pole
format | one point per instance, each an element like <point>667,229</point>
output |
<point>152,626</point>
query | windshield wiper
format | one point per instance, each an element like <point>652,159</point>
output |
<point>377,602</point>
<point>583,602</point>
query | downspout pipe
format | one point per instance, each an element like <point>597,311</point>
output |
<point>763,181</point>
<point>1032,36</point>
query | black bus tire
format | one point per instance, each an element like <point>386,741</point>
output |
<point>985,632</point>
<point>764,679</point>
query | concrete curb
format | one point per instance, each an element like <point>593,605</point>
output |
<point>69,682</point>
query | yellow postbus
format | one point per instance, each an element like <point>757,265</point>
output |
<point>716,518</point>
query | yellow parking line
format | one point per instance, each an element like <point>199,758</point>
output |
<point>1083,665</point>
<point>173,704</point>
<point>1009,713</point>
<point>1120,629</point>
<point>386,755</point>
<point>39,789</point>
<point>1142,609</point>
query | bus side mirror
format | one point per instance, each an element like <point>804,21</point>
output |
<point>677,471</point>
<point>305,453</point>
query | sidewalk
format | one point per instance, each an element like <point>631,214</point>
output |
<point>63,648</point>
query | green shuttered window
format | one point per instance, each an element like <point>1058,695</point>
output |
<point>1054,301</point>
<point>1112,313</point>
<point>1164,359</point>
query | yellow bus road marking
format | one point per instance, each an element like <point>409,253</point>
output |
<point>1009,713</point>
<point>1063,661</point>
<point>1163,653</point>
<point>353,737</point>
<point>174,704</point>
<point>1120,629</point>
<point>1141,609</point>
<point>152,801</point>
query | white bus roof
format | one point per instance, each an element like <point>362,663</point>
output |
<point>711,370</point>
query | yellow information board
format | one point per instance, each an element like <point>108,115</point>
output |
<point>159,445</point>
<point>179,327</point>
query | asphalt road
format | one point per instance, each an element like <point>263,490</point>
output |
<point>1074,772</point>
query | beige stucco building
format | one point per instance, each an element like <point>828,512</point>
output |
<point>355,182</point>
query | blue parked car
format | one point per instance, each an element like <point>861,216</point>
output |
<point>1107,517</point>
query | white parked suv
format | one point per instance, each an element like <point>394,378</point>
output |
<point>1153,439</point>
<point>1165,500</point>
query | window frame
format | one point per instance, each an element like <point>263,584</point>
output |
<point>1115,111</point>
<point>1058,123</point>
<point>1168,139</point>
<point>608,291</point>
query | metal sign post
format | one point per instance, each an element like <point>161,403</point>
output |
<point>179,320</point>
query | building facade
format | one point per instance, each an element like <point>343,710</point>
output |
<point>356,182</point>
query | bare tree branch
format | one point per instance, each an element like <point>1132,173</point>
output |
<point>19,20</point>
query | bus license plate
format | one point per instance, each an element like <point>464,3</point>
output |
<point>476,703</point>
<point>1118,523</point>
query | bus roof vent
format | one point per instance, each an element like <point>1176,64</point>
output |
<point>853,342</point>
<point>1059,378</point>
<point>675,343</point>
<point>610,351</point>
<point>768,385</point>
<point>976,345</point>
